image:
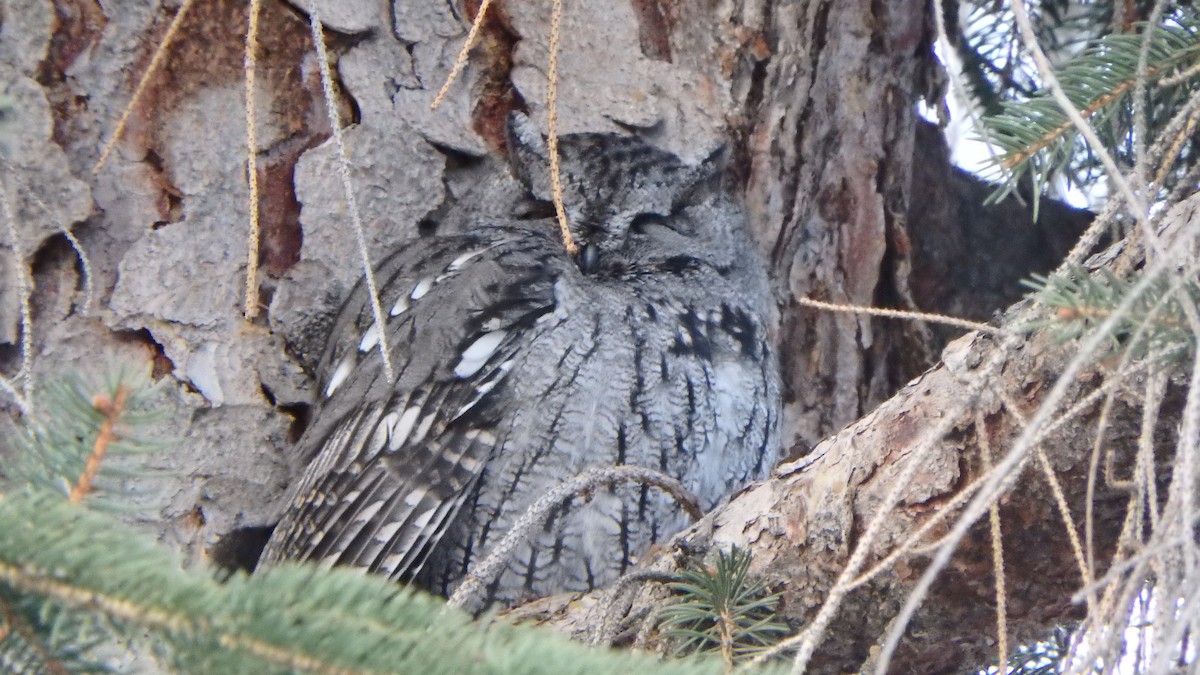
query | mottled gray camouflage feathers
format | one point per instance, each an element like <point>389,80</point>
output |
<point>518,367</point>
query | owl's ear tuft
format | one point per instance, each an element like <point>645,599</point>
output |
<point>528,154</point>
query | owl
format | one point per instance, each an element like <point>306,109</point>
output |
<point>520,365</point>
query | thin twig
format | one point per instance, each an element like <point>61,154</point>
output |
<point>7,387</point>
<point>88,288</point>
<point>1180,77</point>
<point>535,517</point>
<point>111,409</point>
<point>84,262</point>
<point>1056,490</point>
<point>603,628</point>
<point>1089,512</point>
<point>1156,389</point>
<point>1175,135</point>
<point>1064,512</point>
<point>959,90</point>
<point>1088,240</point>
<point>1140,125</point>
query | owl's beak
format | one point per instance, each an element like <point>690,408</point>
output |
<point>587,258</point>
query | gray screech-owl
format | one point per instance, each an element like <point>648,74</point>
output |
<point>519,366</point>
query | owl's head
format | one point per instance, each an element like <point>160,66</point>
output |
<point>623,197</point>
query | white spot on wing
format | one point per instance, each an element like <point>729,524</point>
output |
<point>421,289</point>
<point>423,519</point>
<point>386,532</point>
<point>476,355</point>
<point>369,512</point>
<point>400,307</point>
<point>351,496</point>
<point>383,433</point>
<point>369,338</point>
<point>480,391</point>
<point>404,427</point>
<point>425,424</point>
<point>463,259</point>
<point>390,421</point>
<point>340,374</point>
<point>413,498</point>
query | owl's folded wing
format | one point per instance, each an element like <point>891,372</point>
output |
<point>394,462</point>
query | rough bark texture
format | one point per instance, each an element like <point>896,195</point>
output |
<point>815,101</point>
<point>830,148</point>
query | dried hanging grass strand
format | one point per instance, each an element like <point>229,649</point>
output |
<point>251,308</point>
<point>985,449</point>
<point>22,394</point>
<point>902,314</point>
<point>155,63</point>
<point>343,169</point>
<point>461,61</point>
<point>552,130</point>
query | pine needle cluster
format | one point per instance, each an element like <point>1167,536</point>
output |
<point>723,610</point>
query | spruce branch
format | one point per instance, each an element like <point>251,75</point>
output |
<point>1037,138</point>
<point>291,618</point>
<point>74,583</point>
<point>22,646</point>
<point>1155,323</point>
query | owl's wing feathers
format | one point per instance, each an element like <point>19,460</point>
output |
<point>392,470</point>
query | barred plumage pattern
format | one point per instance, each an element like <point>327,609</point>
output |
<point>520,366</point>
